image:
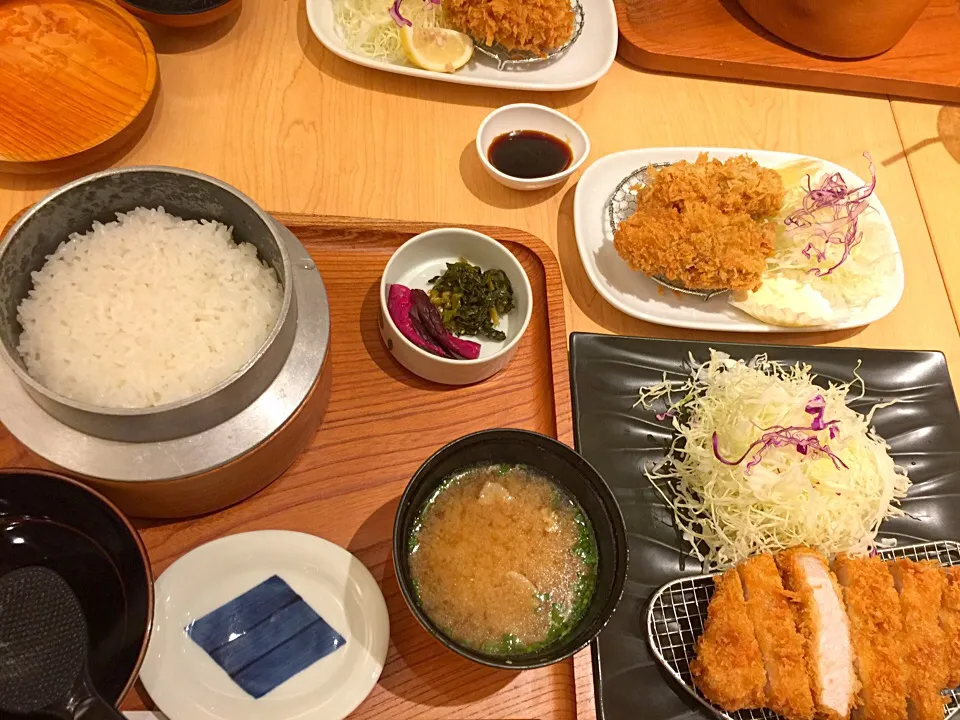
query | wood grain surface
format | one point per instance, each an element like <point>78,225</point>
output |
<point>931,140</point>
<point>718,38</point>
<point>381,424</point>
<point>74,74</point>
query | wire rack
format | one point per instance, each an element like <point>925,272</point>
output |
<point>678,610</point>
<point>623,203</point>
<point>518,60</point>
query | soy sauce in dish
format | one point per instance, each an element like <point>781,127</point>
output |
<point>529,154</point>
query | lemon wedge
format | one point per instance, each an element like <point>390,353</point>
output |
<point>436,49</point>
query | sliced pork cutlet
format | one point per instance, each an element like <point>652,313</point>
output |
<point>822,621</point>
<point>873,611</point>
<point>781,646</point>
<point>728,668</point>
<point>920,585</point>
<point>950,624</point>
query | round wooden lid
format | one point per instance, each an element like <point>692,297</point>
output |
<point>73,75</point>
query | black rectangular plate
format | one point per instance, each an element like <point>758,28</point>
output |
<point>607,372</point>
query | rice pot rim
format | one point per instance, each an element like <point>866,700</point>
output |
<point>286,282</point>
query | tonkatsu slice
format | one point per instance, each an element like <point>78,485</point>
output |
<point>728,668</point>
<point>920,585</point>
<point>950,624</point>
<point>822,622</point>
<point>873,611</point>
<point>781,646</point>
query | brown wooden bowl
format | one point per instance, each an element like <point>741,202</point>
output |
<point>77,82</point>
<point>181,13</point>
<point>838,28</point>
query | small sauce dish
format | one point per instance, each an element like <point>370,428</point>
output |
<point>550,135</point>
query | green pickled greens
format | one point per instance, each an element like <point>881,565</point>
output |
<point>727,511</point>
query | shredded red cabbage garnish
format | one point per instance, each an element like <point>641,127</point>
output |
<point>398,18</point>
<point>831,211</point>
<point>799,437</point>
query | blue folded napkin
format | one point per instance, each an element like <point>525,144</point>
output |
<point>265,637</point>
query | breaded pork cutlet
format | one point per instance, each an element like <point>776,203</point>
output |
<point>822,621</point>
<point>873,610</point>
<point>920,585</point>
<point>534,26</point>
<point>737,185</point>
<point>701,247</point>
<point>781,646</point>
<point>704,224</point>
<point>728,668</point>
<point>950,624</point>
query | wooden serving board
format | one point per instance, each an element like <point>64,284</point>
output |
<point>718,39</point>
<point>381,423</point>
<point>77,80</point>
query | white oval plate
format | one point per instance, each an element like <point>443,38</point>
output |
<point>583,64</point>
<point>187,684</point>
<point>639,296</point>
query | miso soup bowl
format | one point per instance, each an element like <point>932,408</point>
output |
<point>565,467</point>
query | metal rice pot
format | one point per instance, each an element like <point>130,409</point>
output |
<point>98,198</point>
<point>192,436</point>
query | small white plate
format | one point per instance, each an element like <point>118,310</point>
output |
<point>187,684</point>
<point>639,296</point>
<point>583,64</point>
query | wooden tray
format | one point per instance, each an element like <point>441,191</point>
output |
<point>717,38</point>
<point>77,80</point>
<point>382,422</point>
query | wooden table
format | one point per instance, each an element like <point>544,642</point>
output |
<point>931,139</point>
<point>256,101</point>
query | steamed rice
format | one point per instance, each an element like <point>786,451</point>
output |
<point>146,310</point>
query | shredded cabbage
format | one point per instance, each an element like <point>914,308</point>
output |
<point>787,496</point>
<point>851,282</point>
<point>368,29</point>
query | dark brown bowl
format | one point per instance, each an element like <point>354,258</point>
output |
<point>181,13</point>
<point>58,523</point>
<point>565,467</point>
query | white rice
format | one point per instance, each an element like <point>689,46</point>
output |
<point>146,310</point>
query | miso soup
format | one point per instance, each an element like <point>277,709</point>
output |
<point>503,560</point>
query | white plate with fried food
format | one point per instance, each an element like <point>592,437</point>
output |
<point>805,245</point>
<point>378,46</point>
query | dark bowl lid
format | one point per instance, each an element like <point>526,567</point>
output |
<point>569,470</point>
<point>177,7</point>
<point>52,521</point>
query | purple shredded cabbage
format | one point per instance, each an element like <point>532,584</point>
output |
<point>846,204</point>
<point>398,18</point>
<point>803,439</point>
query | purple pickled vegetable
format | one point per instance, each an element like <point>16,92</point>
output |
<point>426,319</point>
<point>420,322</point>
<point>399,304</point>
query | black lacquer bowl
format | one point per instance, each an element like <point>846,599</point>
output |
<point>567,469</point>
<point>922,429</point>
<point>54,522</point>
